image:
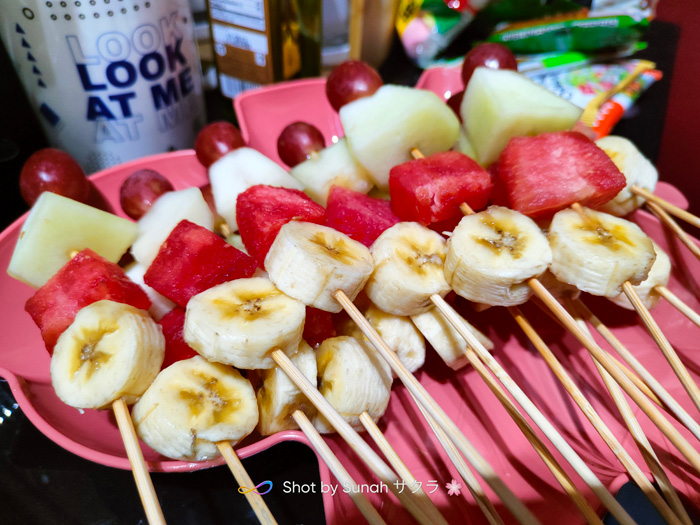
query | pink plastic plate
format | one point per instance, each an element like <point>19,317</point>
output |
<point>93,435</point>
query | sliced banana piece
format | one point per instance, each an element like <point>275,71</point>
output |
<point>279,397</point>
<point>492,254</point>
<point>397,331</point>
<point>242,322</point>
<point>192,405</point>
<point>558,288</point>
<point>311,262</point>
<point>635,167</point>
<point>445,339</point>
<point>659,275</point>
<point>354,379</point>
<point>597,252</point>
<point>110,351</point>
<point>408,269</point>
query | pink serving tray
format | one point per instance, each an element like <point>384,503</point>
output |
<point>263,113</point>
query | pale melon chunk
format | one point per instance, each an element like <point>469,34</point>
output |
<point>170,208</point>
<point>332,165</point>
<point>57,227</point>
<point>237,171</point>
<point>464,146</point>
<point>383,129</point>
<point>160,305</point>
<point>500,104</point>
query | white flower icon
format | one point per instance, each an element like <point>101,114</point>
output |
<point>454,488</point>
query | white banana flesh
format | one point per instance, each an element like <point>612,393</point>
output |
<point>408,269</point>
<point>242,322</point>
<point>110,351</point>
<point>354,378</point>
<point>659,275</point>
<point>311,262</point>
<point>397,331</point>
<point>636,168</point>
<point>597,252</point>
<point>445,339</point>
<point>192,405</point>
<point>492,254</point>
<point>279,397</point>
<point>160,305</point>
<point>558,288</point>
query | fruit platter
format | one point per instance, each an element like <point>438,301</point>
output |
<point>274,258</point>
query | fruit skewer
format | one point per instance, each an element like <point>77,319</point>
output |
<point>666,219</point>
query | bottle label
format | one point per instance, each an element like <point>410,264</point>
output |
<point>109,84</point>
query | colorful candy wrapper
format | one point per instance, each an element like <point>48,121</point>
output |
<point>580,86</point>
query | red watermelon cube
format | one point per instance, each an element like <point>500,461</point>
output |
<point>360,217</point>
<point>318,326</point>
<point>176,349</point>
<point>430,189</point>
<point>552,171</point>
<point>85,279</point>
<point>262,210</point>
<point>193,259</point>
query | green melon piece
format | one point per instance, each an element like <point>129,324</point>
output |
<point>500,104</point>
<point>383,129</point>
<point>57,227</point>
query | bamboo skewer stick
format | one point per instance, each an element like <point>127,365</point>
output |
<point>517,508</point>
<point>666,219</point>
<point>394,460</point>
<point>423,513</point>
<point>662,342</point>
<point>668,400</point>
<point>542,422</point>
<point>642,401</point>
<point>337,468</point>
<point>665,205</point>
<point>144,484</point>
<point>678,304</point>
<point>469,479</point>
<point>642,442</point>
<point>593,417</point>
<point>262,512</point>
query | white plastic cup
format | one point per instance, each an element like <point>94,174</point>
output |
<point>110,80</point>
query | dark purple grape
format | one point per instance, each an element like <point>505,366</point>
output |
<point>53,170</point>
<point>298,142</point>
<point>351,80</point>
<point>140,190</point>
<point>215,140</point>
<point>494,56</point>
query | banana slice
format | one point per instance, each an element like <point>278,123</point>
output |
<point>658,276</point>
<point>398,333</point>
<point>354,379</point>
<point>408,269</point>
<point>192,405</point>
<point>111,350</point>
<point>310,262</point>
<point>445,339</point>
<point>492,254</point>
<point>635,167</point>
<point>242,322</point>
<point>278,397</point>
<point>558,288</point>
<point>597,252</point>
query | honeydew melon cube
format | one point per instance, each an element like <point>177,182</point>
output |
<point>500,104</point>
<point>57,227</point>
<point>464,146</point>
<point>237,171</point>
<point>170,208</point>
<point>333,165</point>
<point>383,129</point>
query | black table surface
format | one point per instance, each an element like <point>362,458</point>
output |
<point>40,483</point>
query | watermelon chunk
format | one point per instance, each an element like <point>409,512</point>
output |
<point>318,326</point>
<point>430,189</point>
<point>193,259</point>
<point>551,171</point>
<point>262,210</point>
<point>176,349</point>
<point>85,279</point>
<point>360,217</point>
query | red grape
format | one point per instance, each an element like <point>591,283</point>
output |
<point>455,102</point>
<point>215,140</point>
<point>351,80</point>
<point>297,142</point>
<point>494,56</point>
<point>140,190</point>
<point>53,170</point>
